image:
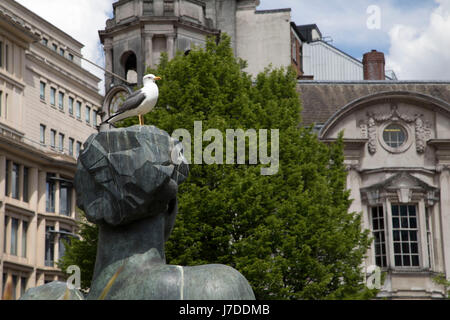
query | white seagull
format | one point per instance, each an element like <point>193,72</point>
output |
<point>139,102</point>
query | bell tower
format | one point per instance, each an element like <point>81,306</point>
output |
<point>140,30</point>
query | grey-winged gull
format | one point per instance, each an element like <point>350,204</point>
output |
<point>139,102</point>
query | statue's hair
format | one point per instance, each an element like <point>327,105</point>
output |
<point>127,174</point>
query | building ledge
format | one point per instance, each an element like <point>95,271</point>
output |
<point>8,261</point>
<point>14,205</point>
<point>439,143</point>
<point>273,11</point>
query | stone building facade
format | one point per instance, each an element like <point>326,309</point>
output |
<point>141,30</point>
<point>48,108</point>
<point>397,152</point>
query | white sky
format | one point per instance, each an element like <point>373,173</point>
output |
<point>414,34</point>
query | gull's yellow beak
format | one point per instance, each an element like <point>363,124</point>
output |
<point>157,78</point>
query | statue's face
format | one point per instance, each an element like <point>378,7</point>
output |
<point>127,174</point>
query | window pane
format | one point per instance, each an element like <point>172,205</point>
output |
<point>15,181</point>
<point>42,134</point>
<point>394,135</point>
<point>50,193</point>
<point>94,118</point>
<point>88,114</point>
<point>49,246</point>
<point>61,142</point>
<point>42,89</point>
<point>374,212</point>
<point>52,96</point>
<point>14,278</point>
<point>378,261</point>
<point>413,223</point>
<point>403,211</point>
<point>405,248</point>
<point>71,146</point>
<point>65,198</point>
<point>395,223</point>
<point>52,138</point>
<point>61,100</point>
<point>405,235</point>
<point>395,210</point>
<point>25,184</point>
<point>7,177</point>
<point>377,249</point>
<point>405,223</point>
<point>14,235</point>
<point>78,149</point>
<point>378,233</point>
<point>406,260</point>
<point>24,238</point>
<point>23,285</point>
<point>415,260</point>
<point>70,105</point>
<point>78,110</point>
<point>4,234</point>
<point>63,238</point>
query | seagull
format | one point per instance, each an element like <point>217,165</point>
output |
<point>139,102</point>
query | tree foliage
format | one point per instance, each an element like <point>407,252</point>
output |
<point>82,251</point>
<point>290,234</point>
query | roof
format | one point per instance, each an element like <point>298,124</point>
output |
<point>321,99</point>
<point>273,11</point>
<point>305,31</point>
<point>13,22</point>
<point>42,23</point>
<point>324,43</point>
<point>297,32</point>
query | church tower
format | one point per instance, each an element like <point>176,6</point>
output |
<point>141,30</point>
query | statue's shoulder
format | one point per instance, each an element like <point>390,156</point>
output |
<point>55,290</point>
<point>171,282</point>
<point>215,282</point>
<point>204,282</point>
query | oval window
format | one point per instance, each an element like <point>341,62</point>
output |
<point>394,135</point>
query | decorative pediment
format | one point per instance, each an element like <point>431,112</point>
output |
<point>404,185</point>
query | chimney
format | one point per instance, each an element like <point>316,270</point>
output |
<point>373,64</point>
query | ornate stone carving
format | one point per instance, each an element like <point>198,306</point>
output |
<point>372,135</point>
<point>405,185</point>
<point>404,195</point>
<point>368,128</point>
<point>148,7</point>
<point>423,133</point>
<point>363,127</point>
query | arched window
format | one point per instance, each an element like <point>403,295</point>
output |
<point>129,63</point>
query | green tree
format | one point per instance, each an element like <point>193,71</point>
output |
<point>290,234</point>
<point>82,251</point>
